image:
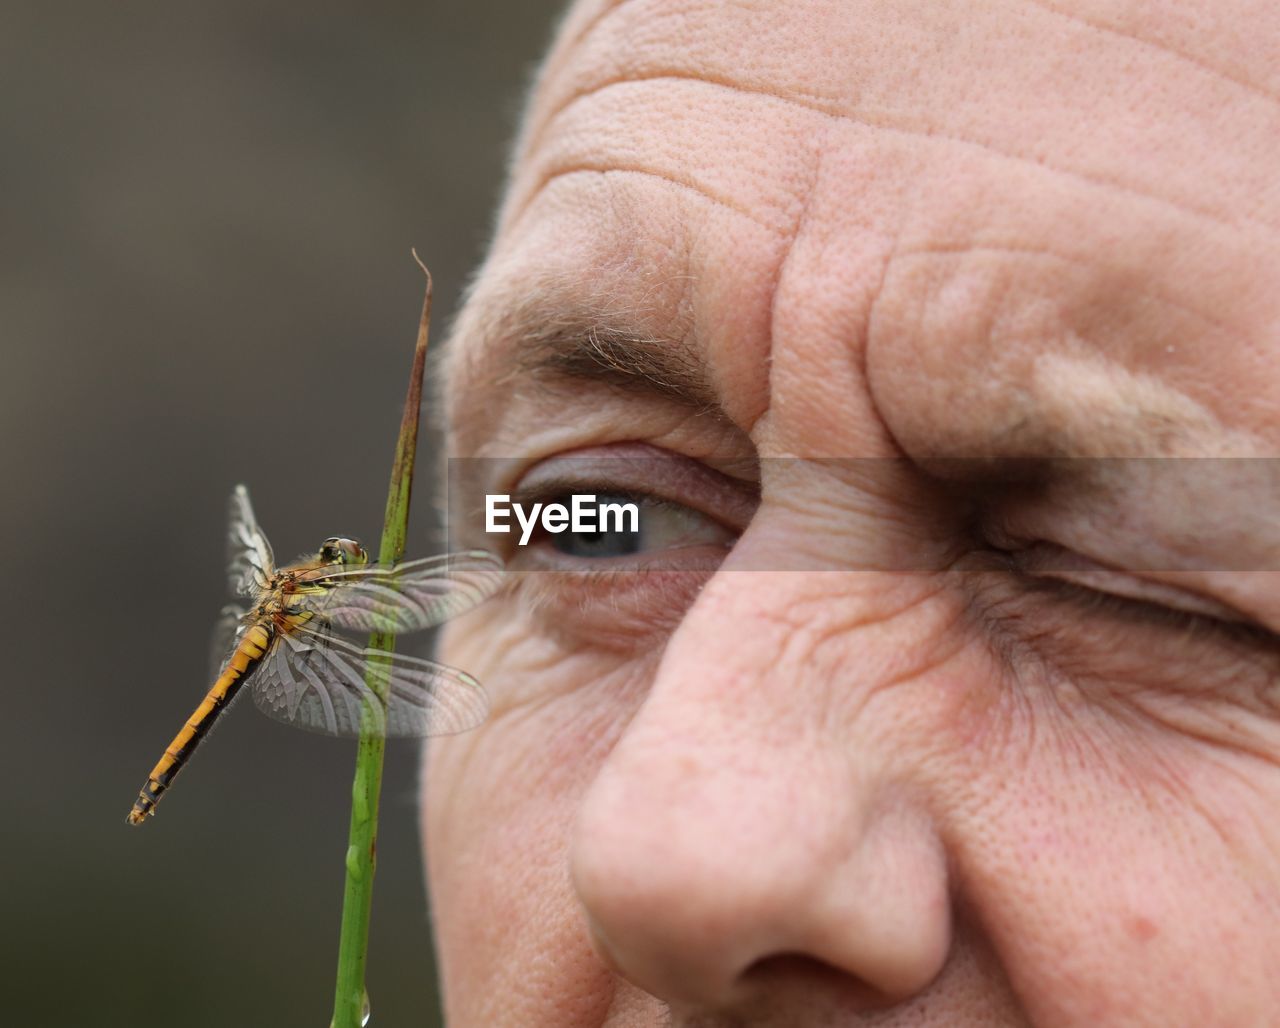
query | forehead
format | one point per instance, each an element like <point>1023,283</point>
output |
<point>997,208</point>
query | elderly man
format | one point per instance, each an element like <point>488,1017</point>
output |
<point>934,705</point>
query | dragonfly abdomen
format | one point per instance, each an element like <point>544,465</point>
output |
<point>248,654</point>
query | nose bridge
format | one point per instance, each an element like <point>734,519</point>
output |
<point>758,805</point>
<point>780,658</point>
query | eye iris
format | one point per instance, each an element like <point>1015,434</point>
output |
<point>612,543</point>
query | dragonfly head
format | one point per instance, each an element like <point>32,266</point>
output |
<point>337,550</point>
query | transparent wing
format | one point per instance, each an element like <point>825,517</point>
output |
<point>407,597</point>
<point>318,681</point>
<point>250,563</point>
<point>223,639</point>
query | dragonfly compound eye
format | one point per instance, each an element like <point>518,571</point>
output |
<point>337,550</point>
<point>352,552</point>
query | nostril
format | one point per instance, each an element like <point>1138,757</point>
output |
<point>795,973</point>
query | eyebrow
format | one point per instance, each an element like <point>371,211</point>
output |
<point>635,362</point>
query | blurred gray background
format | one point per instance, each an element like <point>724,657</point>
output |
<point>206,213</point>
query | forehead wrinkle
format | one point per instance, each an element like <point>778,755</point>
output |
<point>577,22</point>
<point>809,101</point>
<point>685,183</point>
<point>909,128</point>
<point>877,102</point>
<point>1217,69</point>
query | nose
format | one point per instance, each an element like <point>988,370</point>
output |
<point>761,815</point>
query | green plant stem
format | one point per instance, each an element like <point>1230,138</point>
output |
<point>362,846</point>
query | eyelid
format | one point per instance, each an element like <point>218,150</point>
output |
<point>645,473</point>
<point>1047,560</point>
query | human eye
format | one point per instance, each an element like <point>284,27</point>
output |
<point>1103,623</point>
<point>1140,594</point>
<point>643,507</point>
<point>646,526</point>
<point>638,574</point>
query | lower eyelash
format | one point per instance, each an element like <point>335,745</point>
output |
<point>609,608</point>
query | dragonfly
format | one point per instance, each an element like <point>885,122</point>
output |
<point>288,644</point>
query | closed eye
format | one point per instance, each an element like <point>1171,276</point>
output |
<point>1103,589</point>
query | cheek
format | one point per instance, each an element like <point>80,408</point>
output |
<point>499,810</point>
<point>1117,891</point>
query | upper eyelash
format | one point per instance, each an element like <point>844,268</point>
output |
<point>1189,622</point>
<point>978,529</point>
<point>552,492</point>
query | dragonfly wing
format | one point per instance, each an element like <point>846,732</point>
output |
<point>223,639</point>
<point>407,597</point>
<point>319,681</point>
<point>250,562</point>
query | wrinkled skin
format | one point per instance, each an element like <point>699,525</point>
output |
<point>867,785</point>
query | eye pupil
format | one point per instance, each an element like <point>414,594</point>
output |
<point>597,544</point>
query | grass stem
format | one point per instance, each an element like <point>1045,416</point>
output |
<point>350,1002</point>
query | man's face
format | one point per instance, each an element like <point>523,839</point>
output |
<point>894,739</point>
